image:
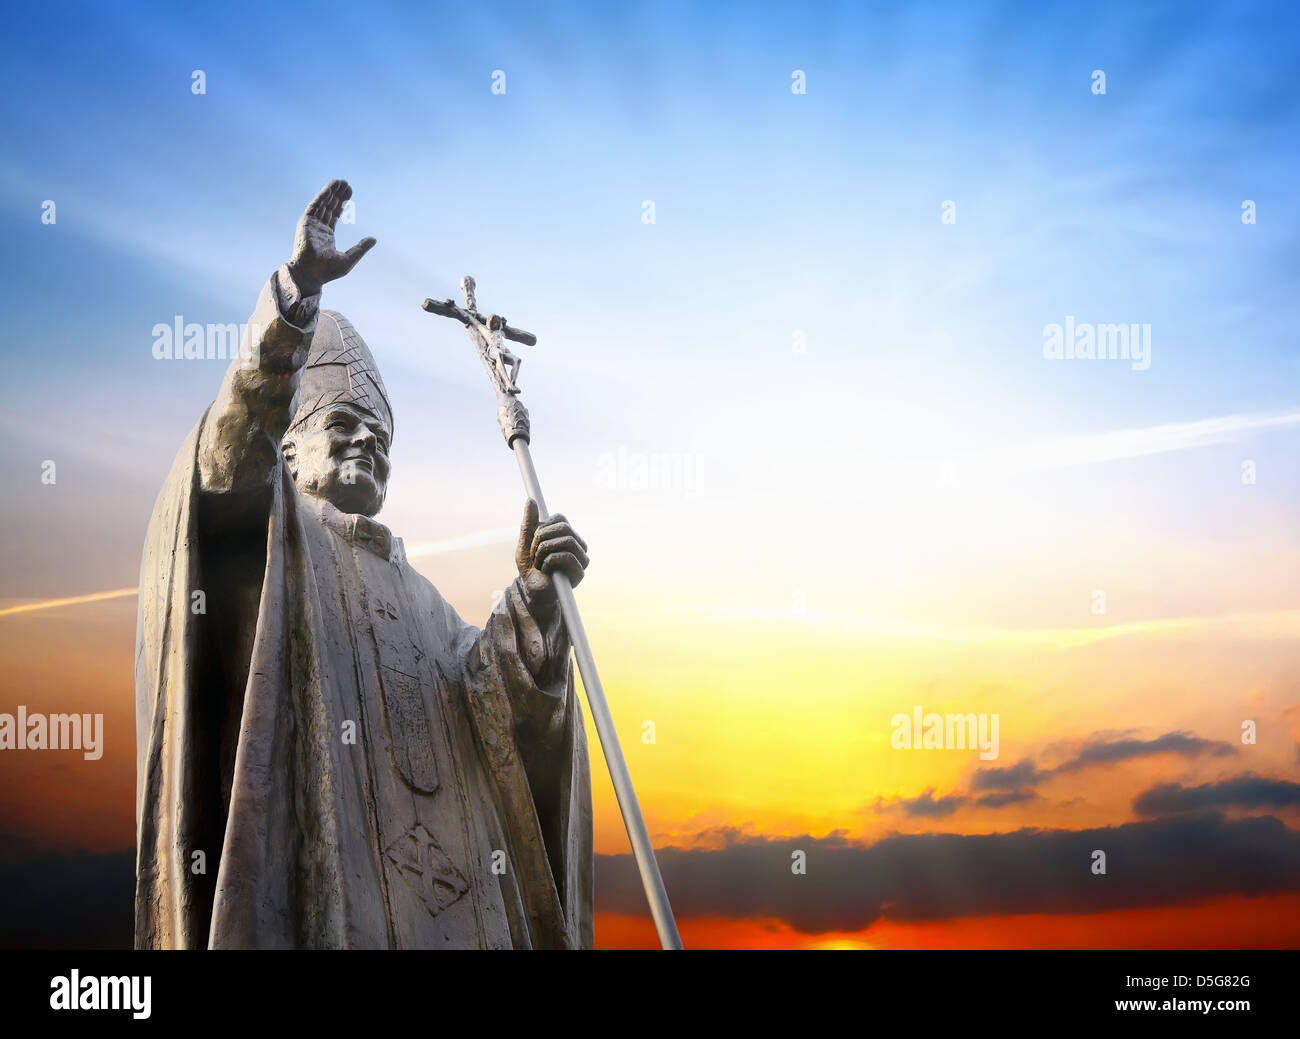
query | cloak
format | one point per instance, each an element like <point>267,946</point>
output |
<point>328,756</point>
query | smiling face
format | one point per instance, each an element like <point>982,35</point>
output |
<point>341,454</point>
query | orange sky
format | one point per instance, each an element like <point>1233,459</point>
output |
<point>1234,922</point>
<point>780,726</point>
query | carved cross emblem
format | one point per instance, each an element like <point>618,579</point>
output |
<point>426,869</point>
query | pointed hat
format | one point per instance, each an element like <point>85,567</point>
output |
<point>340,369</point>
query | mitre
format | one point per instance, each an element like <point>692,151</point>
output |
<point>340,369</point>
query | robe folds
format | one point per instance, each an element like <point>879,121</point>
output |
<point>329,757</point>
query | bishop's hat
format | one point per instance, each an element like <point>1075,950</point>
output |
<point>340,369</point>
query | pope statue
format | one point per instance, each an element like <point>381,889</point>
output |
<point>327,755</point>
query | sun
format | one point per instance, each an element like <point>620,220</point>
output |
<point>842,942</point>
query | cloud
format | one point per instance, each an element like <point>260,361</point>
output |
<point>1004,798</point>
<point>1269,625</point>
<point>850,886</point>
<point>927,806</point>
<point>1013,785</point>
<point>1107,752</point>
<point>75,600</point>
<point>1100,751</point>
<point>1245,791</point>
<point>1023,773</point>
<point>923,807</point>
<point>79,901</point>
<point>1118,444</point>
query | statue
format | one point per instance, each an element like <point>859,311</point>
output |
<point>328,756</point>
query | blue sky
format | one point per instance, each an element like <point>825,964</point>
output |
<point>775,213</point>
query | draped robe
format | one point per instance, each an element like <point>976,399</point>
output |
<point>328,756</point>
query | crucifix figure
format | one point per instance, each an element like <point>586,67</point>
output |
<point>328,756</point>
<point>504,364</point>
<point>507,365</point>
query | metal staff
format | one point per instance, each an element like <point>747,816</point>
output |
<point>488,336</point>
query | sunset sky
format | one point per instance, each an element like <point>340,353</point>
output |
<point>870,489</point>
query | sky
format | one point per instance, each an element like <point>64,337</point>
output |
<point>792,269</point>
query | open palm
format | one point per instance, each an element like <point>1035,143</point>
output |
<point>316,258</point>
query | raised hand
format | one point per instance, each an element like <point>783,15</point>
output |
<point>547,547</point>
<point>316,259</point>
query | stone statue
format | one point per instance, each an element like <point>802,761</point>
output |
<point>327,755</point>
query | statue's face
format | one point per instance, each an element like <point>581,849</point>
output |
<point>341,454</point>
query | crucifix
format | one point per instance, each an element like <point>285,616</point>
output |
<point>489,335</point>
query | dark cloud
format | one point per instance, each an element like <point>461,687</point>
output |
<point>1100,751</point>
<point>85,901</point>
<point>1022,774</point>
<point>849,886</point>
<point>1002,798</point>
<point>1246,791</point>
<point>923,807</point>
<point>1013,784</point>
<point>78,901</point>
<point>927,806</point>
<point>1107,752</point>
